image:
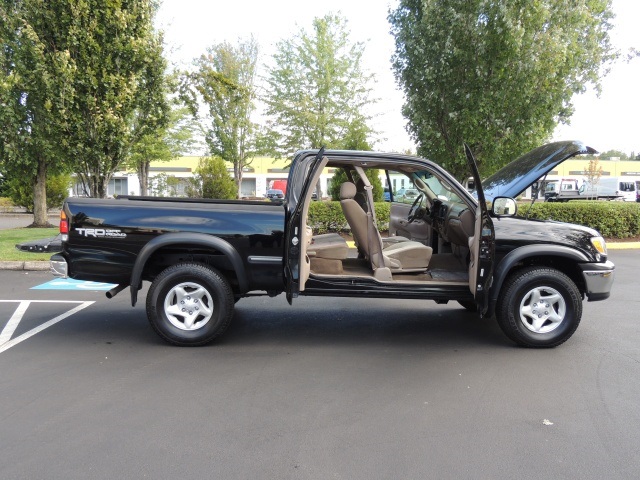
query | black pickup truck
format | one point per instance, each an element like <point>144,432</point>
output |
<point>202,256</point>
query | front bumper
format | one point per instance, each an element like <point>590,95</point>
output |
<point>59,266</point>
<point>598,279</point>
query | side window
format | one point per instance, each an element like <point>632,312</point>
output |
<point>402,187</point>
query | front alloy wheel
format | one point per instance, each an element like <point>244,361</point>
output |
<point>539,307</point>
<point>542,310</point>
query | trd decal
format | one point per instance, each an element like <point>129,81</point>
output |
<point>100,232</point>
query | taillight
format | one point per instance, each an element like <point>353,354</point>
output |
<point>64,223</point>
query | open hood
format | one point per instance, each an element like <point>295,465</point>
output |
<point>518,175</point>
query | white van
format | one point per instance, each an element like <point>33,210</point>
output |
<point>624,186</point>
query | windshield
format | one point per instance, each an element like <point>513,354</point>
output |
<point>439,188</point>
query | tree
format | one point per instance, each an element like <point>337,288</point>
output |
<point>340,176</point>
<point>107,66</point>
<point>156,132</point>
<point>34,88</point>
<point>317,92</point>
<point>212,180</point>
<point>165,144</point>
<point>609,154</point>
<point>593,172</point>
<point>225,82</point>
<point>498,75</point>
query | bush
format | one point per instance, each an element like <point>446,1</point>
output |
<point>325,217</point>
<point>611,219</point>
<point>339,177</point>
<point>212,181</point>
<point>5,204</point>
<point>20,191</point>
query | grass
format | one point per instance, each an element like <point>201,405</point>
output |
<point>9,238</point>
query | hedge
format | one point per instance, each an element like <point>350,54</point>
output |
<point>327,216</point>
<point>611,219</point>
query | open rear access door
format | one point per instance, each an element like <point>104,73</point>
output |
<point>305,171</point>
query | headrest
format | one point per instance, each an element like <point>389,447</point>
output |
<point>347,191</point>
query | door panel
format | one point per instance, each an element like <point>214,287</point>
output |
<point>418,230</point>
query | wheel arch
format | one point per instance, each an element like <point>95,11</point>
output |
<point>559,257</point>
<point>186,239</point>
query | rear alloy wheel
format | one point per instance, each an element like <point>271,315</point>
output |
<point>190,304</point>
<point>539,307</point>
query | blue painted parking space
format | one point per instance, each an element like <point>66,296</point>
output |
<point>77,285</point>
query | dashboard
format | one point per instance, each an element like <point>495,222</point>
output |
<point>453,221</point>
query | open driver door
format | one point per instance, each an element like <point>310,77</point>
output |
<point>481,245</point>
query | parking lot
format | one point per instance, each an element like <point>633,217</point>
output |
<point>326,388</point>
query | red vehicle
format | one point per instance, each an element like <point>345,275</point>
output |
<point>279,185</point>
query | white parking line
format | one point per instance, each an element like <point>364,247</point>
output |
<point>13,322</point>
<point>6,344</point>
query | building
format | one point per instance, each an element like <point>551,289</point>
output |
<point>171,178</point>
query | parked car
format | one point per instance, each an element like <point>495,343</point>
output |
<point>405,195</point>
<point>274,194</point>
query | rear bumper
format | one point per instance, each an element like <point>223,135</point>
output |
<point>59,266</point>
<point>598,279</point>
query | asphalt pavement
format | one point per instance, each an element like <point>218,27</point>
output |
<point>327,388</point>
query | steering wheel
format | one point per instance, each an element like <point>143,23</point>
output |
<point>415,211</point>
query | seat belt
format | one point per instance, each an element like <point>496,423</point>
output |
<point>373,233</point>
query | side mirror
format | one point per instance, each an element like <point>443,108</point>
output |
<point>504,207</point>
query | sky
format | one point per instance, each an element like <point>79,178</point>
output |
<point>611,121</point>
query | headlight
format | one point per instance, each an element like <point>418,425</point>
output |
<point>599,244</point>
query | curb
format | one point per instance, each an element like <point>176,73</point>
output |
<point>622,245</point>
<point>25,266</point>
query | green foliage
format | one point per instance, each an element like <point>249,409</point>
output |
<point>120,87</point>
<point>611,219</point>
<point>339,177</point>
<point>327,217</point>
<point>317,91</point>
<point>20,191</point>
<point>212,180</point>
<point>5,204</point>
<point>163,185</point>
<point>97,80</point>
<point>165,144</point>
<point>225,83</point>
<point>498,75</point>
<point>33,90</point>
<point>609,154</point>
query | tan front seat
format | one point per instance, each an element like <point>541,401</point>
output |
<point>407,256</point>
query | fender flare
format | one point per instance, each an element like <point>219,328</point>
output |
<point>186,238</point>
<point>535,250</point>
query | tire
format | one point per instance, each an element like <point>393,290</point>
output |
<point>189,304</point>
<point>469,305</point>
<point>519,314</point>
